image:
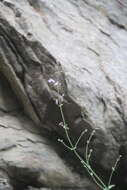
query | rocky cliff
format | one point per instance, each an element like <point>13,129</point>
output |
<point>82,45</point>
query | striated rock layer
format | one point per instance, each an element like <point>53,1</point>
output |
<point>82,45</point>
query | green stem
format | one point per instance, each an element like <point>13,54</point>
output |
<point>89,169</point>
<point>113,169</point>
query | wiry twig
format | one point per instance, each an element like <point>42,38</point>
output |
<point>73,147</point>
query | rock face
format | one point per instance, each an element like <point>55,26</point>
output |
<point>81,44</point>
<point>26,156</point>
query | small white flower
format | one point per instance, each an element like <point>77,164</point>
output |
<point>56,83</point>
<point>51,81</point>
<point>91,150</point>
<point>60,140</point>
<point>57,102</point>
<point>91,174</point>
<point>61,124</point>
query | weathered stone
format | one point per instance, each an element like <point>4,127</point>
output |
<point>7,102</point>
<point>29,158</point>
<point>82,45</point>
<point>4,181</point>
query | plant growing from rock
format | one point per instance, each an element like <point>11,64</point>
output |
<point>73,147</point>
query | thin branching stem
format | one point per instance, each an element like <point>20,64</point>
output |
<point>95,177</point>
<point>87,146</point>
<point>76,144</point>
<point>113,170</point>
<point>73,147</point>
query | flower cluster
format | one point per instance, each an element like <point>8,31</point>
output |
<point>57,84</point>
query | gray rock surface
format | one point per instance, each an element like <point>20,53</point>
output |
<point>4,181</point>
<point>7,102</point>
<point>82,45</point>
<point>27,157</point>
